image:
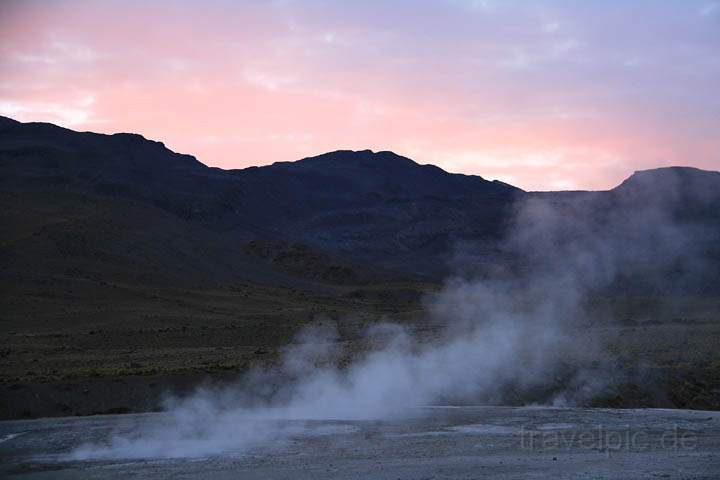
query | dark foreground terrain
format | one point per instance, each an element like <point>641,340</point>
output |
<point>441,443</point>
<point>664,359</point>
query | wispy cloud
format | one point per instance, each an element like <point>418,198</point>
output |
<point>546,94</point>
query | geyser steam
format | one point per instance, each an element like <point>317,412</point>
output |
<point>511,324</point>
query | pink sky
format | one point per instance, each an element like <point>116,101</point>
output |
<point>543,95</point>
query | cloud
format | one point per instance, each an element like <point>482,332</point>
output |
<point>551,27</point>
<point>498,78</point>
<point>58,53</point>
<point>268,81</point>
<point>71,114</point>
<point>709,9</point>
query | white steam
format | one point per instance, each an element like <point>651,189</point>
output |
<point>512,325</point>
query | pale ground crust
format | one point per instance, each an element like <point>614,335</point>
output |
<point>443,443</point>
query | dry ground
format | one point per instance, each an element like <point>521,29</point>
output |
<point>80,347</point>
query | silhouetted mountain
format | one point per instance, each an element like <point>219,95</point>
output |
<point>683,191</point>
<point>377,207</point>
<point>97,203</point>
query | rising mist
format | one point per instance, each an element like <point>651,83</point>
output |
<point>511,325</point>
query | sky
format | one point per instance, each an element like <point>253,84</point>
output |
<point>545,95</point>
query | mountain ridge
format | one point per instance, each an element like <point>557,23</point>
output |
<point>334,156</point>
<point>376,208</point>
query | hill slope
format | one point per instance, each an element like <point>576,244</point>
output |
<point>376,207</point>
<point>120,259</point>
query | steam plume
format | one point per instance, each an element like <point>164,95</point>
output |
<point>511,325</point>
